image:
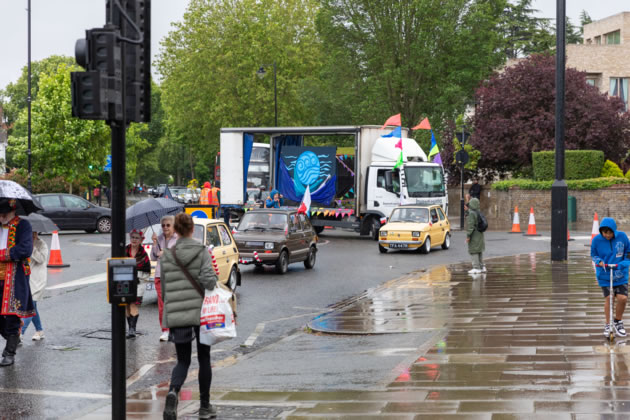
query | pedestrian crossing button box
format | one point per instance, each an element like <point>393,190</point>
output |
<point>122,280</point>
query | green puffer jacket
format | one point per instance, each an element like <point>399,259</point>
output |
<point>477,243</point>
<point>182,302</point>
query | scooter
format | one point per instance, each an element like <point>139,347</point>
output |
<point>613,329</point>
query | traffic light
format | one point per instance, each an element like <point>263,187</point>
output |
<point>96,93</point>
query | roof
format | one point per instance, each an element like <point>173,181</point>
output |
<point>284,209</point>
<point>202,221</point>
<point>333,129</point>
<point>423,206</point>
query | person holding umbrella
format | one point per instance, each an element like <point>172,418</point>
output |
<point>137,251</point>
<point>16,246</point>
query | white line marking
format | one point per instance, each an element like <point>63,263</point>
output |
<point>252,338</point>
<point>139,374</point>
<point>55,393</point>
<point>97,278</point>
<point>94,244</point>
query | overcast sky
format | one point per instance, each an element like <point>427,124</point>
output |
<point>57,24</point>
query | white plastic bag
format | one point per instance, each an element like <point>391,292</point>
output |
<point>217,322</point>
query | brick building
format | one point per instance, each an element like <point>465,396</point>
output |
<point>605,55</point>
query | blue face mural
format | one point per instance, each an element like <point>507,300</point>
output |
<point>310,166</point>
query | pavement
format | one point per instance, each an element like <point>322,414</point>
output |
<point>523,341</point>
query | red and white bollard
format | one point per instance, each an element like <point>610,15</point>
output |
<point>214,260</point>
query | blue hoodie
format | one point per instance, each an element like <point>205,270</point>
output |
<point>611,252</point>
<point>270,201</point>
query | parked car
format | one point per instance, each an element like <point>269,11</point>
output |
<point>279,237</point>
<point>71,212</point>
<point>179,193</point>
<point>415,227</point>
<point>211,233</point>
<point>192,195</point>
<point>159,191</point>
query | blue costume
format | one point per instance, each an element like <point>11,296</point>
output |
<point>611,252</point>
<point>271,203</point>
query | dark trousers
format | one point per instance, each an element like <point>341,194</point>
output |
<point>184,354</point>
<point>9,325</point>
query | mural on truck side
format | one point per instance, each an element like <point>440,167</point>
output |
<point>312,166</point>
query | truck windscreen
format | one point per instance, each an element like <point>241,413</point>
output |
<point>424,181</point>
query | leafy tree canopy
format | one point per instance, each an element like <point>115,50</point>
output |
<point>515,115</point>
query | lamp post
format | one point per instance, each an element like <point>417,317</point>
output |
<point>462,157</point>
<point>28,98</point>
<point>559,189</point>
<point>261,73</point>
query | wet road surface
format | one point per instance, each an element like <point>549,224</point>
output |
<point>523,341</point>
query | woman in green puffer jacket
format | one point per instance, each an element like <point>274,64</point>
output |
<point>182,309</point>
<point>474,238</point>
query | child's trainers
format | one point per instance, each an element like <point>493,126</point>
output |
<point>38,335</point>
<point>607,330</point>
<point>621,331</point>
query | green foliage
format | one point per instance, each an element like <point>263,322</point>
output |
<point>62,146</point>
<point>611,169</point>
<point>578,164</point>
<point>628,174</point>
<point>577,184</point>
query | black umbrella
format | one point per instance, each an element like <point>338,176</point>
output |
<point>150,211</point>
<point>40,223</point>
<point>25,202</point>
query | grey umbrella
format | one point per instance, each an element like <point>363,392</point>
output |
<point>149,212</point>
<point>40,223</point>
<point>25,202</point>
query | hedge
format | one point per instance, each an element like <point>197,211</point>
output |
<point>577,184</point>
<point>611,169</point>
<point>578,164</point>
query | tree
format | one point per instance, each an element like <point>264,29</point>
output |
<point>524,33</point>
<point>419,58</point>
<point>209,65</point>
<point>14,97</point>
<point>585,19</point>
<point>61,144</point>
<point>515,116</point>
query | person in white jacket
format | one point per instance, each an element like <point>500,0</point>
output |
<point>38,280</point>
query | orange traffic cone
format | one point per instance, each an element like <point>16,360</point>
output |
<point>516,223</point>
<point>531,227</point>
<point>569,236</point>
<point>55,261</point>
<point>595,230</point>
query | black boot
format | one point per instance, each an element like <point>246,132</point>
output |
<point>132,320</point>
<point>170,406</point>
<point>8,356</point>
<point>207,410</point>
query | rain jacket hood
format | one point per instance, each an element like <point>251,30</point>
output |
<point>473,204</point>
<point>206,185</point>
<point>612,251</point>
<point>270,202</point>
<point>476,243</point>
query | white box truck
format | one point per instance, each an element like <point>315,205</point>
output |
<point>378,187</point>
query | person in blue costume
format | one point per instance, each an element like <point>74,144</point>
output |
<point>275,200</point>
<point>612,247</point>
<point>16,246</point>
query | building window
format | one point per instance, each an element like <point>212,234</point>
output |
<point>619,88</point>
<point>613,38</point>
<point>598,40</point>
<point>590,82</point>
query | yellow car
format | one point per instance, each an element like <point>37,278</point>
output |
<point>415,227</point>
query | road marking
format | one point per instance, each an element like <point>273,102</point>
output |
<point>252,338</point>
<point>55,393</point>
<point>94,244</point>
<point>139,374</point>
<point>97,278</point>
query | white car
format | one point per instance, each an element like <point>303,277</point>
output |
<point>192,195</point>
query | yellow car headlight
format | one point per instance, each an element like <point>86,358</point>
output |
<point>415,234</point>
<point>383,233</point>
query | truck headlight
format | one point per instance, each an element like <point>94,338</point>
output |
<point>383,233</point>
<point>415,234</point>
<point>269,245</point>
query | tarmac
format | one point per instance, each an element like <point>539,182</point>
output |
<point>525,340</point>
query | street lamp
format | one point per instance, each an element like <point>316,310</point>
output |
<point>28,98</point>
<point>261,73</point>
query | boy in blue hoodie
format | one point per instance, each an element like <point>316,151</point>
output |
<point>612,247</point>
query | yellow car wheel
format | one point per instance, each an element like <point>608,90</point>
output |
<point>382,249</point>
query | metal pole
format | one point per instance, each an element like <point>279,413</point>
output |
<point>28,99</point>
<point>275,94</point>
<point>118,206</point>
<point>461,202</point>
<point>559,188</point>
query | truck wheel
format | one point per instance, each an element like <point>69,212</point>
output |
<point>309,262</point>
<point>426,246</point>
<point>447,241</point>
<point>375,226</point>
<point>282,265</point>
<point>318,229</point>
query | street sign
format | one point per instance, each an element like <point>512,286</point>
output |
<point>461,157</point>
<point>108,165</point>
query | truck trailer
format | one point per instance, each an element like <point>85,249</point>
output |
<point>375,188</point>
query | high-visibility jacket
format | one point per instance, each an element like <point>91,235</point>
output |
<point>203,197</point>
<point>213,196</point>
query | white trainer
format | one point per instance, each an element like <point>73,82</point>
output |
<point>39,335</point>
<point>475,271</point>
<point>483,269</point>
<point>164,336</point>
